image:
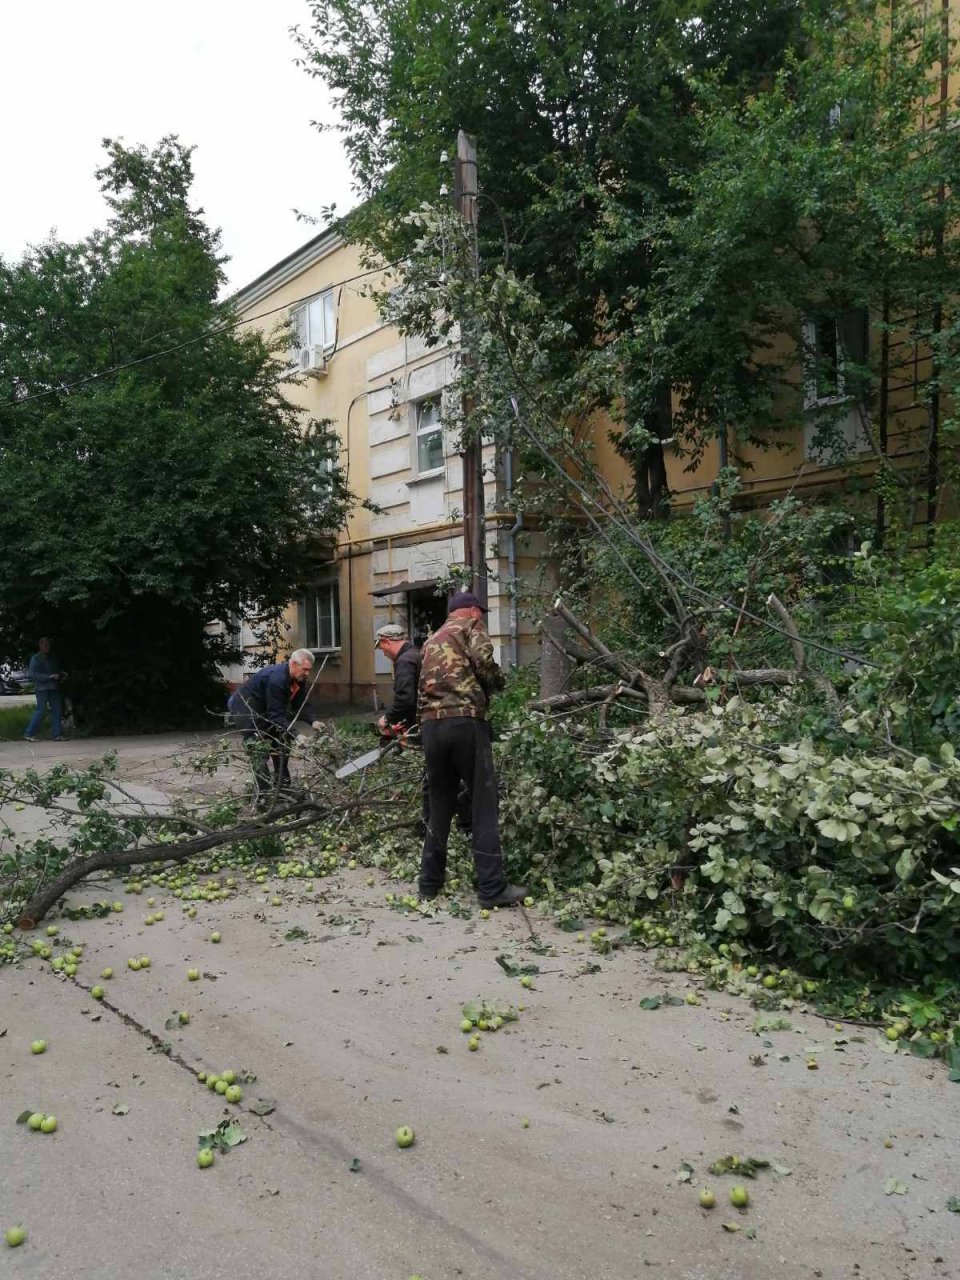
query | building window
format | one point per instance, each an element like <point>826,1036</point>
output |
<point>834,357</point>
<point>824,362</point>
<point>314,325</point>
<point>321,617</point>
<point>429,434</point>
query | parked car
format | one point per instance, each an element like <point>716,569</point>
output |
<point>13,679</point>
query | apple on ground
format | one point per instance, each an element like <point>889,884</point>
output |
<point>405,1136</point>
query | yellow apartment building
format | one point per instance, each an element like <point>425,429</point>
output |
<point>384,394</point>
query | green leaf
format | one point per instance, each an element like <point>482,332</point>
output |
<point>355,1165</point>
<point>262,1106</point>
<point>24,1116</point>
<point>953,1204</point>
<point>746,1165</point>
<point>295,934</point>
<point>119,1109</point>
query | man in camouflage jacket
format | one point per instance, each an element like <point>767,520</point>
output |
<point>458,675</point>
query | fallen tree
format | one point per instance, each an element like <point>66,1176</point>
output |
<point>96,824</point>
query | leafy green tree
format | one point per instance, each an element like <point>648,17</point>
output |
<point>152,476</point>
<point>828,195</point>
<point>582,112</point>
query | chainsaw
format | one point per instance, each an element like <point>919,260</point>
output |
<point>395,739</point>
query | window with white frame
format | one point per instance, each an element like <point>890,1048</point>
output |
<point>429,436</point>
<point>834,427</point>
<point>314,324</point>
<point>320,617</point>
<point>823,353</point>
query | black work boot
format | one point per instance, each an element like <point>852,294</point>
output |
<point>511,896</point>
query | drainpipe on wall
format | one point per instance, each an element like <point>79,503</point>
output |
<point>512,563</point>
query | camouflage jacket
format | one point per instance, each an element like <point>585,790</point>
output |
<point>458,672</point>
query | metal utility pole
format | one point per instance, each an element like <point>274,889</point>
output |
<point>465,191</point>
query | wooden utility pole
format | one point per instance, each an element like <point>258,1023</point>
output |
<point>465,191</point>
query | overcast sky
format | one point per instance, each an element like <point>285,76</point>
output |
<point>219,73</point>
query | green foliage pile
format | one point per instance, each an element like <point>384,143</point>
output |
<point>844,864</point>
<point>139,504</point>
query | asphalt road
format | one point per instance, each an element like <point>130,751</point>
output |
<point>352,1029</point>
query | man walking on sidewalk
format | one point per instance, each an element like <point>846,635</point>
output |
<point>44,670</point>
<point>458,675</point>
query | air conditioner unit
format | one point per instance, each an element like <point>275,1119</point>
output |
<point>313,361</point>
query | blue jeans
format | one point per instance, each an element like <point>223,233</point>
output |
<point>46,698</point>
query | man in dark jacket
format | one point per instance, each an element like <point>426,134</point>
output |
<point>263,709</point>
<point>394,643</point>
<point>458,676</point>
<point>44,671</point>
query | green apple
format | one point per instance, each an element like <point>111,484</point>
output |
<point>212,1081</point>
<point>118,906</point>
<point>352,864</point>
<point>770,981</point>
<point>230,1076</point>
<point>44,953</point>
<point>221,1086</point>
<point>97,992</point>
<point>692,998</point>
<point>276,902</point>
<point>466,1025</point>
<point>134,964</point>
<point>57,964</point>
<point>38,1046</point>
<point>48,1124</point>
<point>849,902</point>
<point>739,1197</point>
<point>525,1123</point>
<point>106,973</point>
<point>405,1136</point>
<point>752,970</point>
<point>528,902</point>
<point>526,981</point>
<point>52,930</point>
<point>215,936</point>
<point>183,1017</point>
<point>233,1093</point>
<point>35,1121</point>
<point>484,914</point>
<point>8,928</point>
<point>148,920</point>
<point>707,1198</point>
<point>151,902</point>
<point>193,975</point>
<point>204,1158</point>
<point>15,1236</point>
<point>144,962</point>
<point>893,1033</point>
<point>158,915</point>
<point>473,1044</point>
<point>202,1077</point>
<point>70,970</point>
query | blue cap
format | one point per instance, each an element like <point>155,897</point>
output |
<point>464,600</point>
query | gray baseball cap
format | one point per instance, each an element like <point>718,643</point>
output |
<point>392,631</point>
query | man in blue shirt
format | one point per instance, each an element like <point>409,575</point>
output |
<point>44,670</point>
<point>264,709</point>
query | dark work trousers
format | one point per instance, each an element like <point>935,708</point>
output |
<point>458,750</point>
<point>464,809</point>
<point>264,741</point>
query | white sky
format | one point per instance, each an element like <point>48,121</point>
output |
<point>219,73</point>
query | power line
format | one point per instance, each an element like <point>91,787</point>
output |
<point>190,342</point>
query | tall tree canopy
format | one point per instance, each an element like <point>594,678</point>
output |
<point>582,113</point>
<point>152,476</point>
